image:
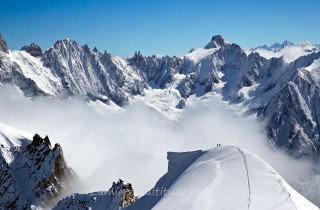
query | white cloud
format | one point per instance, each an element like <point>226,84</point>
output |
<point>132,144</point>
<point>289,54</point>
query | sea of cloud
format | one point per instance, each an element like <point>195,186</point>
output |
<point>132,144</point>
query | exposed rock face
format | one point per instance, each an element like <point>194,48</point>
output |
<point>293,112</point>
<point>3,45</point>
<point>33,49</point>
<point>119,196</point>
<point>32,173</point>
<point>91,73</point>
<point>158,72</point>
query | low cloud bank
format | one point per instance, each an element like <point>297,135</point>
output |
<point>132,144</point>
<point>289,54</point>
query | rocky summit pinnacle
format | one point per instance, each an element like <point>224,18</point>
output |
<point>3,45</point>
<point>33,49</point>
<point>35,173</point>
<point>119,196</point>
<point>216,41</point>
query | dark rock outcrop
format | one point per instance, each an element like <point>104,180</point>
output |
<point>3,45</point>
<point>119,196</point>
<point>216,41</point>
<point>33,49</point>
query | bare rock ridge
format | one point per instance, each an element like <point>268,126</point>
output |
<point>36,174</point>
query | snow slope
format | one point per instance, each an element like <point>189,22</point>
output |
<point>222,178</point>
<point>11,138</point>
<point>32,68</point>
<point>198,54</point>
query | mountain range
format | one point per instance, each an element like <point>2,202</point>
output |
<point>281,90</point>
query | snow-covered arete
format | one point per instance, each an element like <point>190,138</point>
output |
<point>224,178</point>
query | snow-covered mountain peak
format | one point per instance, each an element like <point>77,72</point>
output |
<point>65,43</point>
<point>216,41</point>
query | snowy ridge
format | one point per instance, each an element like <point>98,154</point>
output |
<point>221,179</point>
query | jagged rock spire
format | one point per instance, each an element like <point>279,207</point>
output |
<point>3,45</point>
<point>33,49</point>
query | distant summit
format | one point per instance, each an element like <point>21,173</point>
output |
<point>275,46</point>
<point>216,41</point>
<point>287,44</point>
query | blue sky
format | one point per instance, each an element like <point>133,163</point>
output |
<point>170,27</point>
